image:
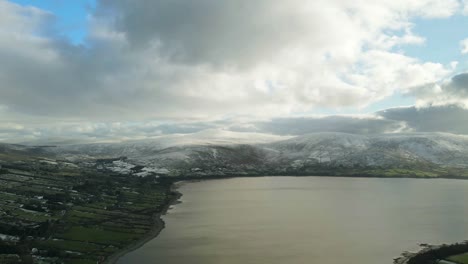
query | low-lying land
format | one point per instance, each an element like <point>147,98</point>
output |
<point>443,254</point>
<point>60,212</point>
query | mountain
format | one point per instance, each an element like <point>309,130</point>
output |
<point>161,146</point>
<point>412,154</point>
<point>377,150</point>
<point>15,151</point>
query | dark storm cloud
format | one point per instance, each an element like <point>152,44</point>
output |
<point>306,125</point>
<point>181,128</point>
<point>450,91</point>
<point>458,85</point>
<point>450,118</point>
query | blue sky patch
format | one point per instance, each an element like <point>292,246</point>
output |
<point>72,16</point>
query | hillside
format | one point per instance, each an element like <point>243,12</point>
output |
<point>414,154</point>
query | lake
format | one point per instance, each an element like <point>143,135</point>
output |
<point>322,220</point>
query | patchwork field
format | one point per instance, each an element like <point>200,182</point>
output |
<point>55,212</point>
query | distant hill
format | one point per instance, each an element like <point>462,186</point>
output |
<point>413,154</point>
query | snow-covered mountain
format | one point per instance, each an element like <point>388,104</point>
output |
<point>166,146</point>
<point>377,150</point>
<point>421,154</point>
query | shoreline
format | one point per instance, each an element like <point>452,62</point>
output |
<point>429,253</point>
<point>159,223</point>
<point>359,176</point>
<point>158,226</point>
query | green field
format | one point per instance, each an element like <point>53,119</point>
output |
<point>461,259</point>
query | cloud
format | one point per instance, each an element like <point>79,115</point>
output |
<point>445,118</point>
<point>465,7</point>
<point>446,92</point>
<point>89,132</point>
<point>464,46</point>
<point>449,118</point>
<point>208,60</point>
<point>306,125</point>
<point>200,65</point>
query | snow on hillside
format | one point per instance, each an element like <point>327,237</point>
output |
<point>443,149</point>
<point>148,147</point>
<point>224,152</point>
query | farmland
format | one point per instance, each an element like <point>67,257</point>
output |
<point>54,211</point>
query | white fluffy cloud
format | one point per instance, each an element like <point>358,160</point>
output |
<point>465,7</point>
<point>210,59</point>
<point>464,46</point>
<point>285,56</point>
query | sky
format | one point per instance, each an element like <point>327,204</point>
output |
<point>107,70</point>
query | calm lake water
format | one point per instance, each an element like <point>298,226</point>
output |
<point>277,220</point>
